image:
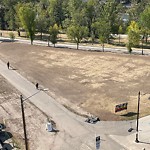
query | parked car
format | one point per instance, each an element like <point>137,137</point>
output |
<point>92,119</point>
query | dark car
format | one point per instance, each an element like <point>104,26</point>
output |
<point>92,119</point>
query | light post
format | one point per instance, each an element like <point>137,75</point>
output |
<point>137,125</point>
<point>24,123</point>
<point>23,115</point>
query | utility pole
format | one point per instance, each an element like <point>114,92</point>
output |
<point>24,123</point>
<point>137,125</point>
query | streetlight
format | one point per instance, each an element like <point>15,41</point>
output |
<point>137,126</point>
<point>23,115</point>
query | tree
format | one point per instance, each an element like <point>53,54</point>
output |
<point>9,15</point>
<point>119,32</point>
<point>77,33</point>
<point>53,31</point>
<point>92,11</point>
<point>133,34</point>
<point>110,12</point>
<point>42,17</point>
<point>41,23</point>
<point>27,17</point>
<point>145,22</point>
<point>137,8</point>
<point>129,47</point>
<point>56,12</point>
<point>103,29</point>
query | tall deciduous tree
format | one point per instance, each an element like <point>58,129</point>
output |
<point>92,12</point>
<point>119,32</point>
<point>133,34</point>
<point>56,12</point>
<point>111,13</point>
<point>77,33</point>
<point>145,22</point>
<point>42,17</point>
<point>27,16</point>
<point>10,12</point>
<point>53,31</point>
<point>102,28</point>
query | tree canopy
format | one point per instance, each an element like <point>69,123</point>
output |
<point>27,17</point>
<point>74,15</point>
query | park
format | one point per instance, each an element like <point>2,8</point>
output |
<point>77,71</point>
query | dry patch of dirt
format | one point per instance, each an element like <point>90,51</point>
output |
<point>92,81</point>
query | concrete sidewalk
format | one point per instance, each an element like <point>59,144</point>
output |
<point>144,137</point>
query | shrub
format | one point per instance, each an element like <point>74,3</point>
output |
<point>129,47</point>
<point>11,35</point>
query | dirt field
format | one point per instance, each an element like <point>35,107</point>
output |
<point>90,81</point>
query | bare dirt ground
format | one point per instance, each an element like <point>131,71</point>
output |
<point>10,115</point>
<point>90,81</point>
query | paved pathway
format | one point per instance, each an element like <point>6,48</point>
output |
<point>82,47</point>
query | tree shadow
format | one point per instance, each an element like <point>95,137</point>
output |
<point>8,40</point>
<point>129,114</point>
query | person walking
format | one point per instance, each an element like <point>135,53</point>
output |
<point>8,64</point>
<point>37,86</point>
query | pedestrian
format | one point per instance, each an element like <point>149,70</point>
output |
<point>37,86</point>
<point>8,64</point>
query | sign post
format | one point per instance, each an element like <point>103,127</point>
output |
<point>97,142</point>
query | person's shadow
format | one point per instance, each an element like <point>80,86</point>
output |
<point>12,68</point>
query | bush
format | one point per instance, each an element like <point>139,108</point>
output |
<point>129,47</point>
<point>11,35</point>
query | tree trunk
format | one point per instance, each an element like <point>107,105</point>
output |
<point>103,47</point>
<point>48,40</point>
<point>41,35</point>
<point>18,32</point>
<point>77,45</point>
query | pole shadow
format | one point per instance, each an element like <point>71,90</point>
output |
<point>144,142</point>
<point>129,114</point>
